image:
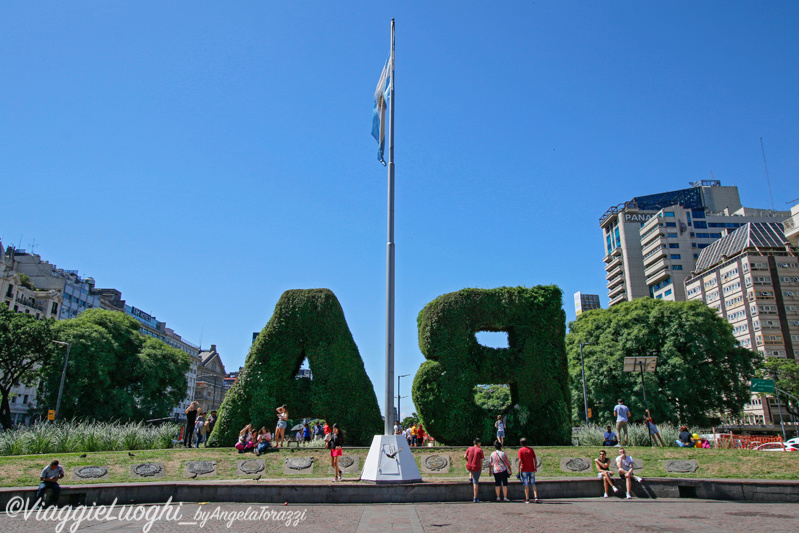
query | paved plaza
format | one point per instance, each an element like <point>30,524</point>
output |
<point>593,515</point>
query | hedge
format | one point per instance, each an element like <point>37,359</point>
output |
<point>534,365</point>
<point>305,324</point>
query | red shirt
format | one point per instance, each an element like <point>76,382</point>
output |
<point>420,433</point>
<point>327,429</point>
<point>474,459</point>
<point>526,459</point>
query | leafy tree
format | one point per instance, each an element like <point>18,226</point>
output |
<point>113,372</point>
<point>702,371</point>
<point>24,344</point>
<point>787,373</point>
<point>408,421</point>
<point>493,398</point>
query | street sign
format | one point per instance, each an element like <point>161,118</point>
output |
<point>51,415</point>
<point>763,385</point>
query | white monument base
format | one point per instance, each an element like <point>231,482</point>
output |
<point>390,461</point>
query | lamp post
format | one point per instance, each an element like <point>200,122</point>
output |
<point>582,364</point>
<point>399,414</point>
<point>63,377</point>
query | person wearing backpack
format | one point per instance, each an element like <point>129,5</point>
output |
<point>500,467</point>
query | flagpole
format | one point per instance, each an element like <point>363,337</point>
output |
<point>389,400</point>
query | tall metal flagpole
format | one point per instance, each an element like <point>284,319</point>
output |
<point>389,400</point>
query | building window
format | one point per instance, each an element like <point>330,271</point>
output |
<point>671,224</point>
<point>673,245</point>
<point>667,293</point>
<point>698,214</point>
<point>668,214</point>
<point>671,235</point>
<point>676,267</point>
<point>700,225</point>
<point>675,256</point>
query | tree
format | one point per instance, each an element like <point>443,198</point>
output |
<point>702,371</point>
<point>24,344</point>
<point>408,421</point>
<point>113,372</point>
<point>492,398</point>
<point>787,373</point>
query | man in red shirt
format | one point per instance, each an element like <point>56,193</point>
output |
<point>420,435</point>
<point>474,464</point>
<point>527,470</point>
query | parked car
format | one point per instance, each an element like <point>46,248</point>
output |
<point>777,447</point>
<point>792,442</point>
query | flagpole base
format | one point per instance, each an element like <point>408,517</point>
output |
<point>390,461</point>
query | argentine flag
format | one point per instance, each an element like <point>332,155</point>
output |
<point>382,93</point>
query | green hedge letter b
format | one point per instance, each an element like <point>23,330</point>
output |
<point>533,365</point>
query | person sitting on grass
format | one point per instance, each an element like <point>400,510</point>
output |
<point>263,441</point>
<point>610,437</point>
<point>686,439</point>
<point>246,439</point>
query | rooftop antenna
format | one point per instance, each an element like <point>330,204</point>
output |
<point>762,149</point>
<point>201,338</point>
<point>19,246</point>
<point>33,245</point>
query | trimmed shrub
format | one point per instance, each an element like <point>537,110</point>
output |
<point>534,365</point>
<point>305,324</point>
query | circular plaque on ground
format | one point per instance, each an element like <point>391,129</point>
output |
<point>682,467</point>
<point>299,463</point>
<point>148,469</point>
<point>251,466</point>
<point>91,472</point>
<point>436,462</point>
<point>346,461</point>
<point>201,467</point>
<point>575,464</point>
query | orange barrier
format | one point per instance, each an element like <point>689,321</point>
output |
<point>744,442</point>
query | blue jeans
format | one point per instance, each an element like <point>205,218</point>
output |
<point>528,478</point>
<point>200,439</point>
<point>263,446</point>
<point>44,485</point>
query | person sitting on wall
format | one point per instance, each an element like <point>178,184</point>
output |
<point>686,439</point>
<point>49,480</point>
<point>610,437</point>
<point>263,441</point>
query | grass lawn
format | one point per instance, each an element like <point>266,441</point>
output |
<point>24,470</point>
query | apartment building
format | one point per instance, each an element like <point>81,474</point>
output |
<point>751,277</point>
<point>585,302</point>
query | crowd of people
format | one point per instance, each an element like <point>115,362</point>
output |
<point>199,425</point>
<point>414,434</point>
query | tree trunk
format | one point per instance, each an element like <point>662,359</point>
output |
<point>5,409</point>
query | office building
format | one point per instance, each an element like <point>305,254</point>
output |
<point>585,302</point>
<point>680,229</point>
<point>751,277</point>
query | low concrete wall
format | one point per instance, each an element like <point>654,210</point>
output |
<point>347,492</point>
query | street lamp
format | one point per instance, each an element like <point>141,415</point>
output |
<point>582,364</point>
<point>399,415</point>
<point>63,377</point>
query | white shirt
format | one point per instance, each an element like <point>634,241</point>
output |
<point>626,464</point>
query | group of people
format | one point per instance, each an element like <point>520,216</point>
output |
<point>500,467</point>
<point>198,425</point>
<point>414,434</point>
<point>623,415</point>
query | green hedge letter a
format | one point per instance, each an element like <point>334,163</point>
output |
<point>306,324</point>
<point>534,365</point>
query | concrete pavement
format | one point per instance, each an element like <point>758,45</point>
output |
<point>594,515</point>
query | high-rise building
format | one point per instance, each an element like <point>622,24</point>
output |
<point>644,257</point>
<point>792,226</point>
<point>585,302</point>
<point>751,277</point>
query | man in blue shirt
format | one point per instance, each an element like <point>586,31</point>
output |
<point>610,438</point>
<point>622,413</point>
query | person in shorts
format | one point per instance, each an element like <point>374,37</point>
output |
<point>282,424</point>
<point>500,425</point>
<point>527,470</point>
<point>500,467</point>
<point>603,471</point>
<point>653,429</point>
<point>474,465</point>
<point>622,413</point>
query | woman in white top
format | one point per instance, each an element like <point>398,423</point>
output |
<point>282,424</point>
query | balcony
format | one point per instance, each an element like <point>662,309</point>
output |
<point>620,297</point>
<point>656,276</point>
<point>619,280</point>
<point>613,273</point>
<point>792,227</point>
<point>611,262</point>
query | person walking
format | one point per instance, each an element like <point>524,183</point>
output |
<point>49,480</point>
<point>500,467</point>
<point>198,428</point>
<point>653,429</point>
<point>603,472</point>
<point>191,418</point>
<point>527,469</point>
<point>282,424</point>
<point>500,425</point>
<point>334,444</point>
<point>622,413</point>
<point>474,465</point>
<point>626,465</point>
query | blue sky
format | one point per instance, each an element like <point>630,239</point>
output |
<point>204,157</point>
